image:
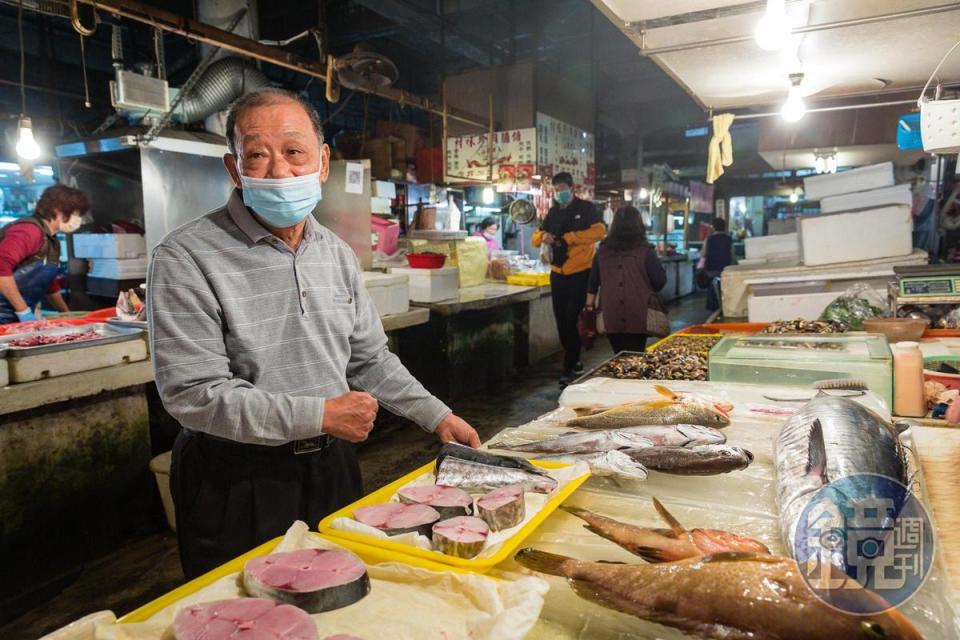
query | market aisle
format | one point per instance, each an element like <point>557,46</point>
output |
<point>148,568</point>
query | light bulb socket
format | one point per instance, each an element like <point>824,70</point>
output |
<point>25,123</point>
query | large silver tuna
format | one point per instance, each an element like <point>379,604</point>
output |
<point>827,439</point>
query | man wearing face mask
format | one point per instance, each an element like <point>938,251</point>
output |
<point>30,254</point>
<point>260,326</point>
<point>571,230</point>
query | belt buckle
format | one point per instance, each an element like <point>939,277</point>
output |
<point>309,445</point>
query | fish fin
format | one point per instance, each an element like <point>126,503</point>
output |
<point>575,511</point>
<point>740,556</point>
<point>901,426</point>
<point>653,555</point>
<point>656,404</point>
<point>542,561</point>
<point>817,453</point>
<point>611,562</point>
<point>666,392</point>
<point>675,525</point>
<point>595,593</point>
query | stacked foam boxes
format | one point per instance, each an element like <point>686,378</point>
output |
<point>112,257</point>
<point>865,216</point>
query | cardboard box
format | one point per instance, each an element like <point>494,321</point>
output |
<point>868,234</point>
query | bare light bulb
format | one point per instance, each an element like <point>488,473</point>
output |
<point>773,30</point>
<point>794,108</point>
<point>794,197</point>
<point>644,194</point>
<point>27,147</point>
<point>831,164</point>
<point>487,195</point>
<point>820,165</point>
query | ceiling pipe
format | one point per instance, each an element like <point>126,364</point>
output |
<point>196,30</point>
<point>826,26</point>
<point>845,107</point>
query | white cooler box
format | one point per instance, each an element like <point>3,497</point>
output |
<point>806,300</point>
<point>869,234</point>
<point>390,292</point>
<point>873,176</point>
<point>108,245</point>
<point>897,194</point>
<point>122,269</point>
<point>782,247</point>
<point>431,285</point>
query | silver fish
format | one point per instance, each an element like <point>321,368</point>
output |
<point>475,476</point>
<point>704,460</point>
<point>827,439</point>
<point>679,435</point>
<point>606,464</point>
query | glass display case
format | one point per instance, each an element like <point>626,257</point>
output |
<point>802,360</point>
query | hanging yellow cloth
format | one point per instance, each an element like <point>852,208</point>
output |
<point>720,153</point>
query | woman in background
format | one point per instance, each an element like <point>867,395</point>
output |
<point>628,273</point>
<point>488,231</point>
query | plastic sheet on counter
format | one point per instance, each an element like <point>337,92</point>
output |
<point>742,502</point>
<point>410,602</point>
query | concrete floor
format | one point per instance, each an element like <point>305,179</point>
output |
<point>146,569</point>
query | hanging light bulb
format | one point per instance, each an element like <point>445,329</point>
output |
<point>27,147</point>
<point>795,196</point>
<point>773,30</point>
<point>794,108</point>
<point>487,195</point>
<point>644,193</point>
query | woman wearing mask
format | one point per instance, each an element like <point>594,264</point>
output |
<point>30,254</point>
<point>488,231</point>
<point>629,273</point>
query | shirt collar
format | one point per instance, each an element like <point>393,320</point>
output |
<point>244,219</point>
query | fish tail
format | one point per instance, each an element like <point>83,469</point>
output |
<point>575,511</point>
<point>675,525</point>
<point>817,453</point>
<point>544,562</point>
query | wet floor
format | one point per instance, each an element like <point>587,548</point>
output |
<point>146,569</point>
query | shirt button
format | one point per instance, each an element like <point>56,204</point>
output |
<point>304,294</point>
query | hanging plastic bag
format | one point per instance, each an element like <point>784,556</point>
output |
<point>857,303</point>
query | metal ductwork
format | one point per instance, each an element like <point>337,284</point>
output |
<point>223,82</point>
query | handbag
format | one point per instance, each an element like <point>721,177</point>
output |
<point>658,323</point>
<point>938,118</point>
<point>587,327</point>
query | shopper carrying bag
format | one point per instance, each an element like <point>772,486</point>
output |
<point>628,271</point>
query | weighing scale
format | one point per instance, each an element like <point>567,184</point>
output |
<point>925,284</point>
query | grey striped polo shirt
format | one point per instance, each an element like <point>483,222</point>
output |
<point>249,337</point>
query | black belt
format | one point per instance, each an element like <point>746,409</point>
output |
<point>296,447</point>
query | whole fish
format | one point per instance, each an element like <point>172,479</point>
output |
<point>475,476</point>
<point>665,545</point>
<point>452,449</point>
<point>670,410</point>
<point>606,464</point>
<point>704,460</point>
<point>678,435</point>
<point>827,439</point>
<point>733,596</point>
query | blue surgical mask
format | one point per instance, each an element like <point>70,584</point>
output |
<point>563,197</point>
<point>282,202</point>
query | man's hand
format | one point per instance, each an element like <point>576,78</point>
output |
<point>454,429</point>
<point>349,417</point>
<point>548,238</point>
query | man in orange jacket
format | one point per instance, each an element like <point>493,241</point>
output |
<point>571,229</point>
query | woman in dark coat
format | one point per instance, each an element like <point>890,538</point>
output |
<point>629,273</point>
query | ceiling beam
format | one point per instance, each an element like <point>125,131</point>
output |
<point>699,16</point>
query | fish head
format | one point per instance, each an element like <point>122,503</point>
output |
<point>701,435</point>
<point>714,414</point>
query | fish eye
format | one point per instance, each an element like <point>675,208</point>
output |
<point>872,630</point>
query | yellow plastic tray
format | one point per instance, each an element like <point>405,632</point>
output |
<point>663,341</point>
<point>370,555</point>
<point>412,555</point>
<point>529,279</point>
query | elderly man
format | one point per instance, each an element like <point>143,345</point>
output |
<point>260,326</point>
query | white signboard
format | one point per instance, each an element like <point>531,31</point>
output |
<point>514,154</point>
<point>563,147</point>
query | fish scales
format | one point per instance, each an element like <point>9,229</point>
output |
<point>856,441</point>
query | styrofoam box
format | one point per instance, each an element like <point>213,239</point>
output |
<point>858,235</point>
<point>772,302</point>
<point>897,194</point>
<point>118,269</point>
<point>872,176</point>
<point>784,246</point>
<point>4,373</point>
<point>382,189</point>
<point>108,245</point>
<point>431,285</point>
<point>390,292</point>
<point>380,205</point>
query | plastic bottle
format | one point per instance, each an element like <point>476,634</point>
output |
<point>908,399</point>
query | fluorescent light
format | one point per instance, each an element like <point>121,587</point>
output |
<point>773,30</point>
<point>487,195</point>
<point>9,166</point>
<point>44,170</point>
<point>794,108</point>
<point>27,147</point>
